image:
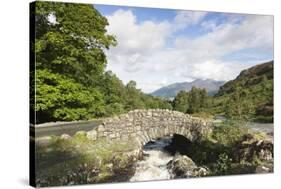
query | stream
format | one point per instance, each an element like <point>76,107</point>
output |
<point>253,126</point>
<point>154,164</point>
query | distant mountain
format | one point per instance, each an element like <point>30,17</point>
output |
<point>171,91</point>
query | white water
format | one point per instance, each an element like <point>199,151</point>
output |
<point>154,165</point>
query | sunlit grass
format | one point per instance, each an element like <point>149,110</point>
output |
<point>79,160</point>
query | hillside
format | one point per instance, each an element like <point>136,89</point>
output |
<point>249,95</point>
<point>171,91</point>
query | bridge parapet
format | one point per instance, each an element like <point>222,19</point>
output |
<point>150,124</point>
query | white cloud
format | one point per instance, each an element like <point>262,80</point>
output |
<point>185,18</point>
<point>217,70</point>
<point>142,53</point>
<point>133,37</point>
<point>209,25</point>
<point>253,32</point>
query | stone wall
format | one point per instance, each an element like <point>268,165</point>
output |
<point>146,125</point>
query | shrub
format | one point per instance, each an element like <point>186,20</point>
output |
<point>223,164</point>
<point>229,132</point>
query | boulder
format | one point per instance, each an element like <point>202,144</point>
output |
<point>182,167</point>
<point>250,147</point>
<point>200,171</point>
<point>262,169</point>
<point>265,150</point>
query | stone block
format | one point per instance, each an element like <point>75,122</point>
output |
<point>92,135</point>
<point>112,135</point>
<point>101,128</point>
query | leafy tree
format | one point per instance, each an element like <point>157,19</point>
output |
<point>198,100</point>
<point>70,77</point>
<point>152,102</point>
<point>238,107</point>
<point>70,60</point>
<point>203,98</point>
<point>194,100</point>
<point>114,93</point>
<point>73,44</point>
<point>61,98</point>
<point>181,101</point>
<point>133,97</point>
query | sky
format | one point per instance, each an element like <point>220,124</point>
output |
<point>158,47</point>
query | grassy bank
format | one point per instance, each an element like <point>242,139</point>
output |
<point>78,160</point>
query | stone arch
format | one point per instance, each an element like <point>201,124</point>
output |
<point>146,125</point>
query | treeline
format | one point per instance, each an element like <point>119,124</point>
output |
<point>71,82</point>
<point>194,101</point>
<point>69,79</point>
<point>248,97</point>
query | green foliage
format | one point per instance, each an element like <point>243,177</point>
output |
<point>218,151</point>
<point>70,78</point>
<point>226,166</point>
<point>61,98</point>
<point>229,132</point>
<point>197,100</point>
<point>69,60</point>
<point>249,96</point>
<point>222,140</point>
<point>223,164</point>
<point>72,45</point>
<point>263,119</point>
<point>181,101</point>
<point>193,101</point>
<point>135,99</point>
<point>71,82</point>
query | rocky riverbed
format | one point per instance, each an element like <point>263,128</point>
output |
<point>154,163</point>
<point>168,159</point>
<point>228,150</point>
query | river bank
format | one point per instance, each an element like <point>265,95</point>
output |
<point>229,149</point>
<point>72,160</point>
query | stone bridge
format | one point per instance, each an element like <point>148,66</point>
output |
<point>146,125</point>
